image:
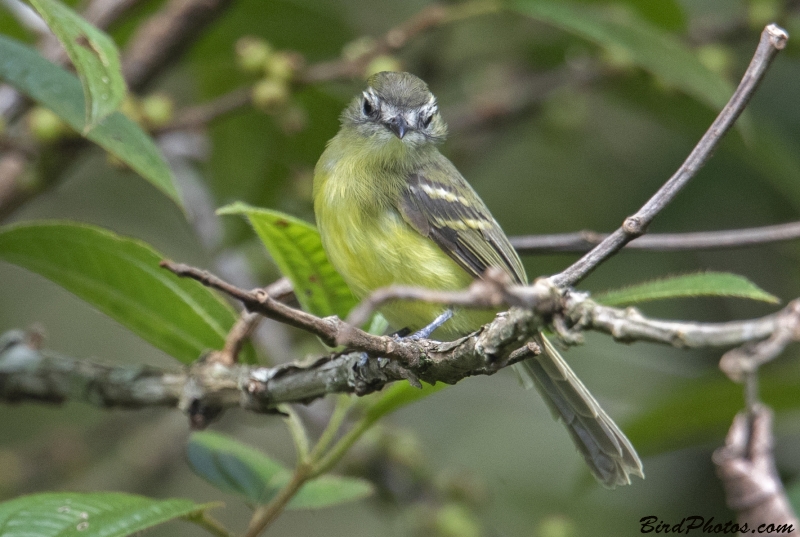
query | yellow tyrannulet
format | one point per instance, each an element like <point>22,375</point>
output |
<point>392,209</point>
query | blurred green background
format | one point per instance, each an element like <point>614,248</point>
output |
<point>557,133</point>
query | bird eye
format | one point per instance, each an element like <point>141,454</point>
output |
<point>426,121</point>
<point>368,108</point>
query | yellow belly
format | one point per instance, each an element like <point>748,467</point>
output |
<point>377,248</point>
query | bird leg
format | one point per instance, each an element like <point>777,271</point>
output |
<point>424,333</point>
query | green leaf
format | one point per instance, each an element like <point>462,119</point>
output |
<point>644,44</point>
<point>330,490</point>
<point>60,91</point>
<point>703,411</point>
<point>296,247</point>
<point>399,395</point>
<point>93,54</point>
<point>234,467</point>
<point>668,14</point>
<point>99,514</point>
<point>122,278</point>
<point>687,285</point>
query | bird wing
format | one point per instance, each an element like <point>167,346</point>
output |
<point>439,203</point>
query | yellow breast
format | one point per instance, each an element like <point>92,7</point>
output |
<point>371,245</point>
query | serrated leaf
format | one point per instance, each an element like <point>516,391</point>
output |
<point>687,285</point>
<point>296,247</point>
<point>121,277</point>
<point>644,44</point>
<point>94,55</point>
<point>60,91</point>
<point>232,466</point>
<point>330,490</point>
<point>99,514</point>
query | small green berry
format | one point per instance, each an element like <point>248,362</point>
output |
<point>355,49</point>
<point>157,110</point>
<point>382,63</point>
<point>270,95</point>
<point>281,66</point>
<point>252,54</point>
<point>46,126</point>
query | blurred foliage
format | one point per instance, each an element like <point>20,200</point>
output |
<point>564,116</point>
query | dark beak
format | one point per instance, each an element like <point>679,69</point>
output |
<point>398,126</point>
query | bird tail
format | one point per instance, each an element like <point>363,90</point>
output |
<point>609,454</point>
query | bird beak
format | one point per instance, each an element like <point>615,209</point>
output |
<point>398,126</point>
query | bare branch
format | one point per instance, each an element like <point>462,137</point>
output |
<point>165,36</point>
<point>583,241</point>
<point>331,330</point>
<point>199,116</point>
<point>739,363</point>
<point>428,18</point>
<point>628,325</point>
<point>280,290</point>
<point>104,13</point>
<point>746,467</point>
<point>206,387</point>
<point>581,313</point>
<point>773,39</point>
<point>492,291</point>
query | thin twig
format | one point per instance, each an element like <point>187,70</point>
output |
<point>427,19</point>
<point>773,39</point>
<point>491,291</point>
<point>331,330</point>
<point>201,115</point>
<point>280,290</point>
<point>583,241</point>
<point>104,13</point>
<point>265,514</point>
<point>740,362</point>
<point>164,36</point>
<point>397,37</point>
<point>237,335</point>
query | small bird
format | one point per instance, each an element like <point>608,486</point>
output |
<point>391,209</point>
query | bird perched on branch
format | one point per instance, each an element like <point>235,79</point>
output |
<point>391,209</point>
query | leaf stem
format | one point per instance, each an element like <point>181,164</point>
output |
<point>338,450</point>
<point>343,405</point>
<point>264,515</point>
<point>210,524</point>
<point>298,432</point>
